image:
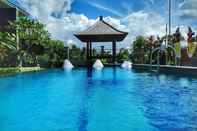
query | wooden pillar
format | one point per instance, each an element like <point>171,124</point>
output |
<point>102,50</point>
<point>87,48</point>
<point>114,52</point>
<point>87,54</point>
<point>90,50</point>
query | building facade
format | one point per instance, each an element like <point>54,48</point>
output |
<point>9,12</point>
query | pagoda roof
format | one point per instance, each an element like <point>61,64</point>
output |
<point>101,31</point>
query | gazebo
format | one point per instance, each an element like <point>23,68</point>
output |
<point>101,31</point>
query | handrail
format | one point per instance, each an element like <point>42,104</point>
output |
<point>164,49</point>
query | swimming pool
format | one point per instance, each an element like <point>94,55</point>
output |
<point>109,100</point>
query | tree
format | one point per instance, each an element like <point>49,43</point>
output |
<point>141,50</point>
<point>8,40</point>
<point>123,54</point>
<point>56,52</point>
<point>7,49</point>
<point>32,38</point>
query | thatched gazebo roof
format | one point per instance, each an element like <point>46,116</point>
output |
<point>101,31</point>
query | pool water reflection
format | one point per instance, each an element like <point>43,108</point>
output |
<point>111,99</point>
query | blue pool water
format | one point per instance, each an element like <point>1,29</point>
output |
<point>109,100</point>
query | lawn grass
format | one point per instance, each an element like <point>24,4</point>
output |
<point>15,70</point>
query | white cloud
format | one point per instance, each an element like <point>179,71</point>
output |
<point>65,27</point>
<point>139,23</point>
<point>188,9</point>
<point>62,28</point>
<point>143,23</point>
<point>45,8</point>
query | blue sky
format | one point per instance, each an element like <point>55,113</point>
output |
<point>115,8</point>
<point>139,17</point>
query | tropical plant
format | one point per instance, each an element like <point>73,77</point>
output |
<point>141,50</point>
<point>27,37</point>
<point>56,53</point>
<point>32,36</point>
<point>8,50</point>
<point>123,55</point>
<point>8,40</point>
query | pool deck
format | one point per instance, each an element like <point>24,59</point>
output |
<point>184,70</point>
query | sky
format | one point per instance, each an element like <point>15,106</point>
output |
<point>63,18</point>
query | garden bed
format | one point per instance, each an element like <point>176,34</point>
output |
<point>14,70</point>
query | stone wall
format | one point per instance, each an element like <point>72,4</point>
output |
<point>186,61</point>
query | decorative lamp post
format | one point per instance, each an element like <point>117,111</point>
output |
<point>170,14</point>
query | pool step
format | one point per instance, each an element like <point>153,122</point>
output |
<point>154,71</point>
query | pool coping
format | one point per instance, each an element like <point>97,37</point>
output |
<point>169,69</point>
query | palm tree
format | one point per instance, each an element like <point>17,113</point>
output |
<point>8,40</point>
<point>31,34</point>
<point>34,41</point>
